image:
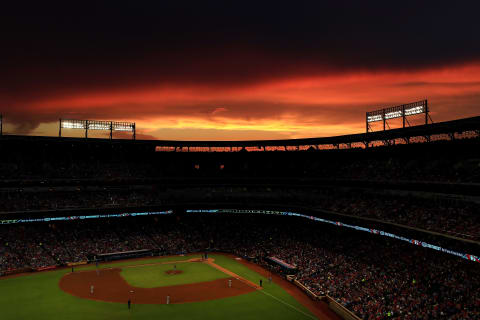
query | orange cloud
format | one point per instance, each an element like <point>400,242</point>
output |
<point>290,107</point>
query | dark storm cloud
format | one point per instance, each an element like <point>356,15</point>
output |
<point>73,48</point>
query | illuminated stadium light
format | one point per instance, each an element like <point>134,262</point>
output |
<point>393,114</point>
<point>96,125</point>
<point>99,125</point>
<point>375,118</point>
<point>401,111</point>
<point>74,124</point>
<point>414,110</point>
<point>123,126</point>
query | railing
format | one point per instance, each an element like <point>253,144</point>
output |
<point>308,291</point>
<point>338,308</point>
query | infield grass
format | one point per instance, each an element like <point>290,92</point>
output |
<point>154,275</point>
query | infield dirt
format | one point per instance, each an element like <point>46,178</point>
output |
<point>110,286</point>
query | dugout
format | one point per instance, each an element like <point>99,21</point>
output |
<point>286,268</point>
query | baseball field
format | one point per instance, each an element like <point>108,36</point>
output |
<point>175,287</point>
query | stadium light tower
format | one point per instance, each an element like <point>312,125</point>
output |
<point>96,125</point>
<point>402,111</point>
<point>1,125</point>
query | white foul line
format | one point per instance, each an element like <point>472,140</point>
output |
<point>287,304</point>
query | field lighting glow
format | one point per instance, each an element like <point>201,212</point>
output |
<point>97,125</point>
<point>394,114</point>
<point>397,111</point>
<point>414,110</point>
<point>375,118</point>
<point>73,125</point>
<point>123,126</point>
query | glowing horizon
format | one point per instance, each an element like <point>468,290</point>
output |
<point>206,71</point>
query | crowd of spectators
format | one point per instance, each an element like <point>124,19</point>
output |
<point>373,276</point>
<point>459,218</point>
<point>20,249</point>
<point>22,200</point>
<point>454,218</point>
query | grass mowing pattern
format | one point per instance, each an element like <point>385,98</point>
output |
<point>155,276</point>
<point>38,296</point>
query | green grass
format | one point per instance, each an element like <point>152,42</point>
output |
<point>38,296</point>
<point>155,276</point>
<point>269,289</point>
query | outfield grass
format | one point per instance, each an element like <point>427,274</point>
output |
<point>155,276</point>
<point>271,291</point>
<point>37,296</point>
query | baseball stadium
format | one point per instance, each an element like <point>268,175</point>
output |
<point>377,225</point>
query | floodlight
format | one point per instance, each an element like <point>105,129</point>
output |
<point>96,125</point>
<point>401,111</point>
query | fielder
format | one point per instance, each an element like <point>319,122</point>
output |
<point>91,289</point>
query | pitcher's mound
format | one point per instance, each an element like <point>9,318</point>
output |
<point>173,271</point>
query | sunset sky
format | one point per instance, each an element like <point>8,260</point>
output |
<point>220,71</point>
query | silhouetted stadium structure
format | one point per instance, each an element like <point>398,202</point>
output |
<point>386,223</point>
